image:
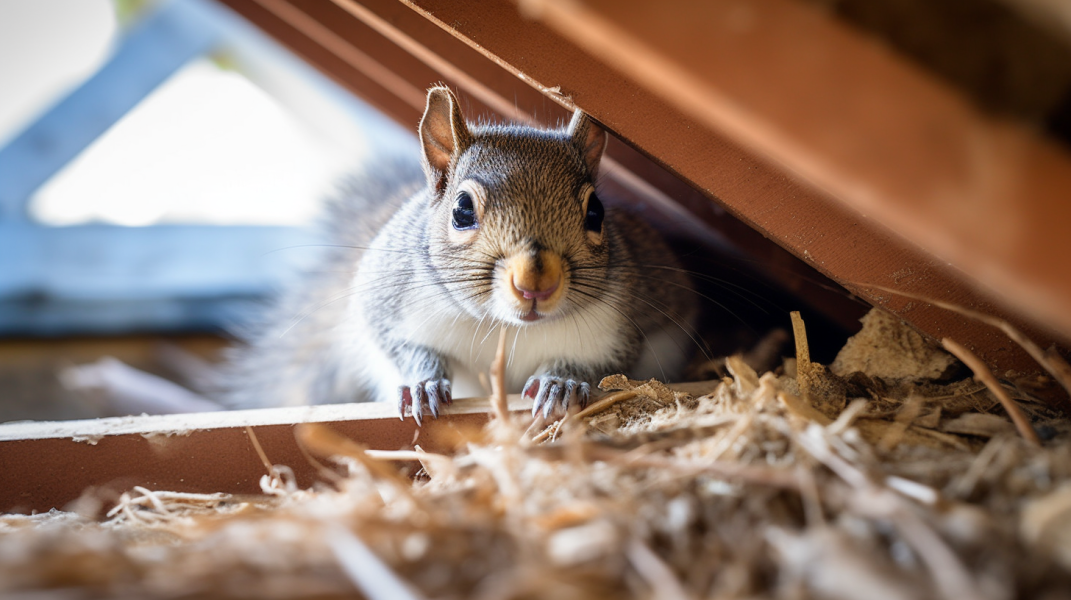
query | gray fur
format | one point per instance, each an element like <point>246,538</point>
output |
<point>371,308</point>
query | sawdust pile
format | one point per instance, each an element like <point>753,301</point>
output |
<point>777,485</point>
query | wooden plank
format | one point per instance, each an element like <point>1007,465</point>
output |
<point>46,465</point>
<point>347,63</point>
<point>104,278</point>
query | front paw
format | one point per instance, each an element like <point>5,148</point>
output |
<point>430,394</point>
<point>549,392</point>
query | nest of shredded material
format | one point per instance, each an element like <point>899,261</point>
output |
<point>797,484</point>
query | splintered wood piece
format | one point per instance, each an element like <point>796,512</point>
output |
<point>498,379</point>
<point>803,354</point>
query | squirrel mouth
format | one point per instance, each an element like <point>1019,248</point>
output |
<point>531,316</point>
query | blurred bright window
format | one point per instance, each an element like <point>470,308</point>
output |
<point>43,57</point>
<point>160,162</point>
<point>207,146</point>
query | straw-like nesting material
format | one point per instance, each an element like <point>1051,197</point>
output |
<point>789,486</point>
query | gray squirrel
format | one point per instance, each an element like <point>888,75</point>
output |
<point>503,229</point>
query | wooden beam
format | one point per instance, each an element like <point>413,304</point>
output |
<point>93,278</point>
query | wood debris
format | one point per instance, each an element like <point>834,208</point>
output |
<point>759,485</point>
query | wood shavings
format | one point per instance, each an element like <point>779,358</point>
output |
<point>834,565</point>
<point>1046,523</point>
<point>164,507</point>
<point>909,412</point>
<point>803,410</point>
<point>370,574</point>
<point>596,408</point>
<point>583,543</point>
<point>978,424</point>
<point>664,584</point>
<point>745,379</point>
<point>657,394</point>
<point>758,486</point>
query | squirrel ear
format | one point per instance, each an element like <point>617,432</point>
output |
<point>443,135</point>
<point>590,137</point>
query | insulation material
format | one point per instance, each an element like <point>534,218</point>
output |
<point>887,347</point>
<point>772,485</point>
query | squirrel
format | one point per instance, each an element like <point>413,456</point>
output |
<point>501,227</point>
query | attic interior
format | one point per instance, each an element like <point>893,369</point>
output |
<point>816,156</point>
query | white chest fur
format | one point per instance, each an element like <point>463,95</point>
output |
<point>591,335</point>
<point>470,344</point>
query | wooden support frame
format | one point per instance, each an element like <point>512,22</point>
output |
<point>45,465</point>
<point>155,48</point>
<point>93,278</point>
<point>492,53</point>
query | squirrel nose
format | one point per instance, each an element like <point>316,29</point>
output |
<point>534,277</point>
<point>537,294</point>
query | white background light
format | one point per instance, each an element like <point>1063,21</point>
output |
<point>207,146</point>
<point>46,48</point>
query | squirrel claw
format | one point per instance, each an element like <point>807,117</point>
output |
<point>550,393</point>
<point>430,394</point>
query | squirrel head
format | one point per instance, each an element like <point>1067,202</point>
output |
<point>516,229</point>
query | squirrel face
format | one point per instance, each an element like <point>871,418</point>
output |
<point>517,231</point>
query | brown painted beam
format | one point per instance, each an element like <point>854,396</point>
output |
<point>354,67</point>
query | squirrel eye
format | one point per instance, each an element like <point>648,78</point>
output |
<point>596,213</point>
<point>464,212</point>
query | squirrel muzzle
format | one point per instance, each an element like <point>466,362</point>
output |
<point>535,283</point>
